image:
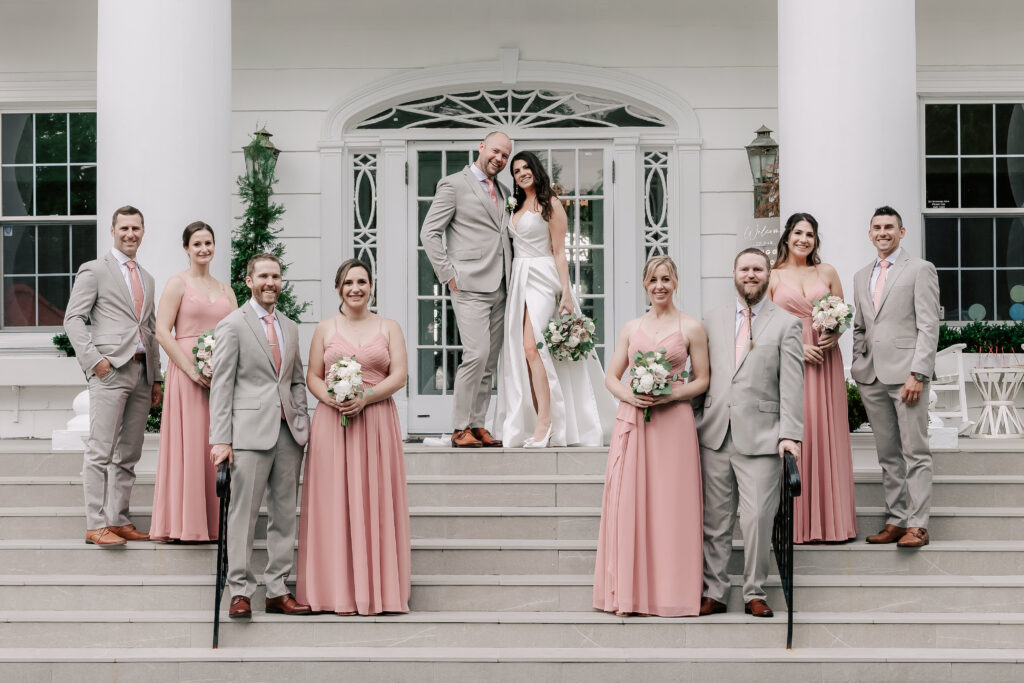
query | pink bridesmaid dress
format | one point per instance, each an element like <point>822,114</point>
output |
<point>825,511</point>
<point>354,550</point>
<point>649,552</point>
<point>185,505</point>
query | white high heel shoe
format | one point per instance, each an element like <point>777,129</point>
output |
<point>534,443</point>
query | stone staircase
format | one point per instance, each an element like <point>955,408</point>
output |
<point>503,553</point>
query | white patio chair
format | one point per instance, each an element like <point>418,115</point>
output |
<point>950,377</point>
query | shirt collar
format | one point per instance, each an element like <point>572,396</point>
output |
<point>755,309</point>
<point>260,311</point>
<point>891,258</point>
<point>122,257</point>
<point>480,175</point>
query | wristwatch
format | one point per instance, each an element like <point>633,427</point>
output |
<point>920,377</point>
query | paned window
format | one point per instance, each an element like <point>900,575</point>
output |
<point>974,208</point>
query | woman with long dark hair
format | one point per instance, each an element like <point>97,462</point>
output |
<point>543,401</point>
<point>825,511</point>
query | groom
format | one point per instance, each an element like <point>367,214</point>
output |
<point>474,260</point>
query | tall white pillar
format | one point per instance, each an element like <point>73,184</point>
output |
<point>163,101</point>
<point>847,133</point>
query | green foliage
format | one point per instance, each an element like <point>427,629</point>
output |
<point>855,413</point>
<point>153,421</point>
<point>62,343</point>
<point>258,234</point>
<point>984,337</point>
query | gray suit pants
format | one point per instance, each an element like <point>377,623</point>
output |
<point>118,408</point>
<point>755,480</point>
<point>481,319</point>
<point>901,441</point>
<point>276,473</point>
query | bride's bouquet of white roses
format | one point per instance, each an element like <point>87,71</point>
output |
<point>569,337</point>
<point>831,314</point>
<point>202,354</point>
<point>345,381</point>
<point>651,374</point>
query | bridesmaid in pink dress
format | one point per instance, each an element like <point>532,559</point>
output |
<point>826,510</point>
<point>649,552</point>
<point>185,501</point>
<point>354,551</point>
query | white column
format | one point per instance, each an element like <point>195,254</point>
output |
<point>163,101</point>
<point>627,242</point>
<point>685,243</point>
<point>848,140</point>
<point>396,266</point>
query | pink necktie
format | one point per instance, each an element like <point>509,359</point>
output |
<point>743,336</point>
<point>275,348</point>
<point>880,282</point>
<point>137,294</point>
<point>490,189</point>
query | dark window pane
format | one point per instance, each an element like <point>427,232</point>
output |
<point>1010,242</point>
<point>54,249</point>
<point>1010,295</point>
<point>453,358</point>
<point>19,301</point>
<point>430,322</point>
<point>949,294</point>
<point>53,299</point>
<point>591,263</point>
<point>428,284</point>
<point>1009,129</point>
<point>977,296</point>
<point>83,244</point>
<point>429,173</point>
<point>563,171</point>
<point>83,190</point>
<point>51,138</point>
<point>455,161</point>
<point>976,243</point>
<point>940,129</point>
<point>940,184</point>
<point>940,241</point>
<point>431,375</point>
<point>975,129</point>
<point>451,332</point>
<point>592,222</point>
<point>17,138</point>
<point>1010,182</point>
<point>83,137</point>
<point>594,309</point>
<point>19,249</point>
<point>17,191</point>
<point>424,207</point>
<point>591,171</point>
<point>52,190</point>
<point>976,184</point>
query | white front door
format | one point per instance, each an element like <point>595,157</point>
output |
<point>581,172</point>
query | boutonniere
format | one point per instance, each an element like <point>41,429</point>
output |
<point>511,203</point>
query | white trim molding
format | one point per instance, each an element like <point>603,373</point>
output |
<point>970,80</point>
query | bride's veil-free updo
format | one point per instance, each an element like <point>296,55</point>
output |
<point>541,182</point>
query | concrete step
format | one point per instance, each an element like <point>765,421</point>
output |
<point>518,557</point>
<point>534,593</point>
<point>508,664</point>
<point>179,628</point>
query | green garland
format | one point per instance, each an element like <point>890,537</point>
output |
<point>984,337</point>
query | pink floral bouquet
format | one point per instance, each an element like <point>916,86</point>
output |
<point>345,381</point>
<point>202,354</point>
<point>831,314</point>
<point>569,337</point>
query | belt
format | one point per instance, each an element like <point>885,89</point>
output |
<point>139,357</point>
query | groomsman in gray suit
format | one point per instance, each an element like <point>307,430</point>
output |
<point>750,416</point>
<point>895,333</point>
<point>259,424</point>
<point>474,259</point>
<point>109,320</point>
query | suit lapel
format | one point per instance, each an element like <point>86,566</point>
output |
<point>895,271</point>
<point>115,272</point>
<point>478,189</point>
<point>257,327</point>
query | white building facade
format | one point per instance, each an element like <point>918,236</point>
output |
<point>641,112</point>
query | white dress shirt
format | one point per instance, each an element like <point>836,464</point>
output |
<point>754,310</point>
<point>123,260</point>
<point>891,258</point>
<point>260,312</point>
<point>482,177</point>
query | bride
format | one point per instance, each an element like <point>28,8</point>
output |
<point>543,401</point>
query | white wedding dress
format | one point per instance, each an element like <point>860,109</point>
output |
<point>582,410</point>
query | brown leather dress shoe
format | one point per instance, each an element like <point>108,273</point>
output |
<point>463,438</point>
<point>758,608</point>
<point>914,538</point>
<point>240,608</point>
<point>286,604</point>
<point>484,437</point>
<point>129,533</point>
<point>890,534</point>
<point>711,606</point>
<point>104,538</point>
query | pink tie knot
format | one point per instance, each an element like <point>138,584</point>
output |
<point>131,265</point>
<point>883,264</point>
<point>268,319</point>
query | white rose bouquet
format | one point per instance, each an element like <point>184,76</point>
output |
<point>569,337</point>
<point>831,314</point>
<point>650,375</point>
<point>345,381</point>
<point>202,354</point>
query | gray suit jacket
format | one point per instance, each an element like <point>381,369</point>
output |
<point>761,400</point>
<point>901,336</point>
<point>100,317</point>
<point>476,250</point>
<point>246,394</point>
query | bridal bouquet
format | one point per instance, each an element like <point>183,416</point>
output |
<point>651,374</point>
<point>202,354</point>
<point>569,337</point>
<point>345,381</point>
<point>831,314</point>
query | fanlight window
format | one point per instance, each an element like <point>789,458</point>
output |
<point>512,109</point>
